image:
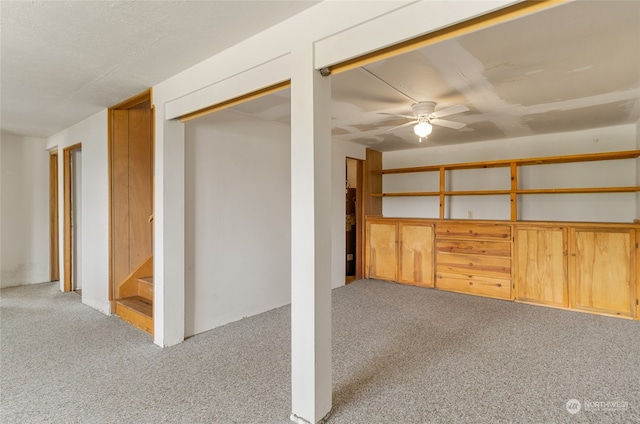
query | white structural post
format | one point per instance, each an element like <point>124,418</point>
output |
<point>168,256</point>
<point>310,240</point>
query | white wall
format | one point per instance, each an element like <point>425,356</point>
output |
<point>341,150</point>
<point>92,133</point>
<point>237,219</point>
<point>614,207</point>
<point>24,211</point>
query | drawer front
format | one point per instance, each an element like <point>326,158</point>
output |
<point>472,231</point>
<point>474,265</point>
<point>492,287</point>
<point>475,247</point>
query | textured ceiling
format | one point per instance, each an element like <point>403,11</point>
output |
<point>62,61</point>
<point>567,68</point>
<point>570,67</point>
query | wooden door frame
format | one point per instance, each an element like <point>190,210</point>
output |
<point>360,216</point>
<point>129,103</point>
<point>54,230</point>
<point>68,213</point>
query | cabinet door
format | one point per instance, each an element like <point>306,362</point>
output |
<point>382,250</point>
<point>416,254</point>
<point>602,263</point>
<point>540,266</point>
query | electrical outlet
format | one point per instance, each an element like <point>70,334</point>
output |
<point>470,214</point>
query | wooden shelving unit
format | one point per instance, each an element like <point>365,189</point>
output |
<point>514,166</point>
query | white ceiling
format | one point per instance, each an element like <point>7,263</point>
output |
<point>570,67</point>
<point>62,61</point>
<point>574,66</point>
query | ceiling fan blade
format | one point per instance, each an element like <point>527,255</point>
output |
<point>400,116</point>
<point>449,111</point>
<point>401,126</point>
<point>448,124</point>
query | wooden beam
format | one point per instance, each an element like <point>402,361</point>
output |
<point>235,101</point>
<point>508,13</point>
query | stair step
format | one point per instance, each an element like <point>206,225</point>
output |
<point>137,311</point>
<point>145,288</point>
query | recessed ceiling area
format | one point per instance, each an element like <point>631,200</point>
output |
<point>571,67</point>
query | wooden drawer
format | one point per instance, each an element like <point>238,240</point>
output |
<point>491,287</point>
<point>491,267</point>
<point>446,230</point>
<point>475,247</point>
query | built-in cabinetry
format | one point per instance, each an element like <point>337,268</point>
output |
<point>592,267</point>
<point>580,266</point>
<point>474,258</point>
<point>400,250</point>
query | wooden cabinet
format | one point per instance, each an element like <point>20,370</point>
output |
<point>401,252</point>
<point>587,267</point>
<point>541,265</point>
<point>474,258</point>
<point>415,261</point>
<point>382,249</point>
<point>602,277</point>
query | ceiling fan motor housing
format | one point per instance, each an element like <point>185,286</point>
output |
<point>423,108</point>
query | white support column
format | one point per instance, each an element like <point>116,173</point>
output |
<point>311,383</point>
<point>168,258</point>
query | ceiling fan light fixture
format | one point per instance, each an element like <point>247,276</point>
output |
<point>422,129</point>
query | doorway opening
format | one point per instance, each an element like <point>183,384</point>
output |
<point>54,246</point>
<point>72,179</point>
<point>354,218</point>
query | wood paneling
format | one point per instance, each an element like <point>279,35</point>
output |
<point>120,196</point>
<point>602,265</point>
<point>140,176</point>
<point>131,191</point>
<point>373,183</point>
<point>474,284</point>
<point>54,249</point>
<point>474,258</point>
<point>485,266</point>
<point>472,231</point>
<point>68,215</point>
<point>415,265</point>
<point>475,247</point>
<point>381,258</point>
<point>541,265</point>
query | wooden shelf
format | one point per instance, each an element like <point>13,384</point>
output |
<point>508,192</point>
<point>589,157</point>
<point>514,191</point>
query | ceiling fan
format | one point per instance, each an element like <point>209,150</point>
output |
<point>425,116</point>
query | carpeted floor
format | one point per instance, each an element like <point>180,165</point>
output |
<point>400,355</point>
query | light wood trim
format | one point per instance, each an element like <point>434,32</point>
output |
<point>135,100</point>
<point>442,189</point>
<point>637,273</point>
<point>360,219</point>
<point>489,19</point>
<point>588,157</point>
<point>127,104</point>
<point>235,101</point>
<point>513,198</point>
<point>68,210</point>
<point>129,287</point>
<point>54,233</point>
<point>372,183</point>
<point>580,190</point>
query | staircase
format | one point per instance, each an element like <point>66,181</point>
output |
<point>134,303</point>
